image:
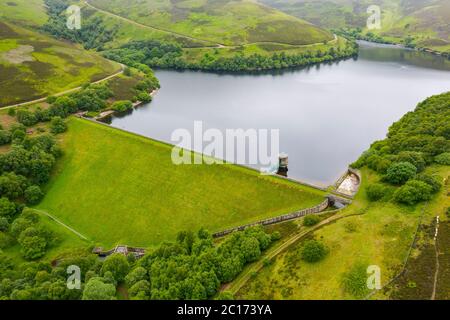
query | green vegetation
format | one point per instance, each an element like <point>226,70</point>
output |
<point>314,251</point>
<point>225,22</point>
<point>94,185</point>
<point>378,228</point>
<point>206,37</point>
<point>421,24</point>
<point>33,65</point>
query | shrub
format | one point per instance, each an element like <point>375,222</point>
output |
<point>4,224</point>
<point>354,281</point>
<point>122,106</point>
<point>313,251</point>
<point>33,195</point>
<point>11,112</point>
<point>443,158</point>
<point>311,220</point>
<point>51,99</point>
<point>415,158</point>
<point>144,97</point>
<point>375,191</point>
<point>412,192</point>
<point>399,173</point>
<point>5,137</point>
<point>57,125</point>
<point>26,117</point>
<point>435,184</point>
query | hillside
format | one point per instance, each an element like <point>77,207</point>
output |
<point>34,65</point>
<point>424,23</point>
<point>145,199</point>
<point>218,21</point>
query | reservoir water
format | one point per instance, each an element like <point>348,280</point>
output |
<point>327,115</point>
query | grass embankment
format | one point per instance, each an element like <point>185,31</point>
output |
<point>116,187</point>
<point>33,65</point>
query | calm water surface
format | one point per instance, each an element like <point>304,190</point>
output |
<point>327,115</point>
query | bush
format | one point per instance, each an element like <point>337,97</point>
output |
<point>354,281</point>
<point>399,173</point>
<point>144,97</point>
<point>57,125</point>
<point>311,220</point>
<point>435,184</point>
<point>415,158</point>
<point>33,195</point>
<point>413,192</point>
<point>5,137</point>
<point>122,106</point>
<point>443,158</point>
<point>375,191</point>
<point>4,224</point>
<point>11,112</point>
<point>26,117</point>
<point>313,251</point>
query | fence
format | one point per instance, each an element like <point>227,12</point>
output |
<point>317,209</point>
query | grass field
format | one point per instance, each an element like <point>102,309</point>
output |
<point>116,187</point>
<point>380,236</point>
<point>33,65</point>
<point>220,21</point>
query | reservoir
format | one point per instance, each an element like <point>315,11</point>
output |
<point>327,115</point>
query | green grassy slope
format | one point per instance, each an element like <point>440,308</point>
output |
<point>425,21</point>
<point>115,187</point>
<point>33,65</point>
<point>218,21</point>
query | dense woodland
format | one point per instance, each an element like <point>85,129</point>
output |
<point>420,139</point>
<point>192,267</point>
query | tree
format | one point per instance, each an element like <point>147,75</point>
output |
<point>4,224</point>
<point>399,173</point>
<point>57,125</point>
<point>118,265</point>
<point>135,276</point>
<point>33,247</point>
<point>5,137</point>
<point>33,195</point>
<point>313,251</point>
<point>311,220</point>
<point>140,290</point>
<point>412,192</point>
<point>26,117</point>
<point>443,159</point>
<point>354,281</point>
<point>7,208</point>
<point>95,289</point>
<point>375,191</point>
<point>122,106</point>
<point>434,183</point>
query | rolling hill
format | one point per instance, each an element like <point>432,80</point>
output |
<point>34,65</point>
<point>423,22</point>
<point>221,22</point>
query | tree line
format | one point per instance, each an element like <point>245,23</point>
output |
<point>420,139</point>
